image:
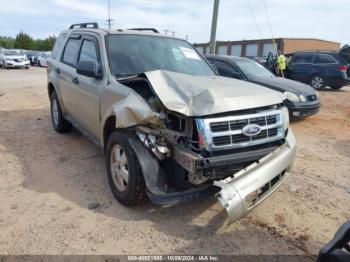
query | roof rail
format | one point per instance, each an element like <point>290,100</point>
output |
<point>84,25</point>
<point>145,29</point>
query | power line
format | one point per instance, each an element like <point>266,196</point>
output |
<point>256,22</point>
<point>109,20</point>
<point>270,27</point>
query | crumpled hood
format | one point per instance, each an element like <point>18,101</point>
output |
<point>283,84</point>
<point>205,95</point>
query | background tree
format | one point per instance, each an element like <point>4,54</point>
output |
<point>7,42</point>
<point>24,41</point>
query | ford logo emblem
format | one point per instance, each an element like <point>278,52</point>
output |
<point>251,130</point>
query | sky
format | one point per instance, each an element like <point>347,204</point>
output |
<point>323,19</point>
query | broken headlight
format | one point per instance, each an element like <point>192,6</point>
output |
<point>154,143</point>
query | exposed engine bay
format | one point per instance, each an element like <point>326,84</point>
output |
<point>186,150</point>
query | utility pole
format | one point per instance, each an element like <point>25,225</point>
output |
<point>109,20</point>
<point>214,24</point>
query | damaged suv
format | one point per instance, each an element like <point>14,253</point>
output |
<point>170,129</point>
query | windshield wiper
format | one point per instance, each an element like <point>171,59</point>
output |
<point>125,76</point>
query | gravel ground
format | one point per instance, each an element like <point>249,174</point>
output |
<point>55,198</point>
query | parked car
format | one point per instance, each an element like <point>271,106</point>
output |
<point>12,58</point>
<point>33,57</point>
<point>320,68</point>
<point>170,129</point>
<point>301,100</point>
<point>42,59</point>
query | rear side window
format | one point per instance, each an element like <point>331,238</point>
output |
<point>71,52</point>
<point>88,52</point>
<point>303,58</point>
<point>325,59</point>
<point>58,45</point>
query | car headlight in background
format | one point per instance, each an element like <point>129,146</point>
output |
<point>292,97</point>
<point>302,98</point>
<point>286,118</point>
<point>317,95</point>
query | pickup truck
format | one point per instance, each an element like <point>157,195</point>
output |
<point>171,130</point>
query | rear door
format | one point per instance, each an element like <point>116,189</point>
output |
<point>327,66</point>
<point>300,67</point>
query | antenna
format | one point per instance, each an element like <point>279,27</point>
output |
<point>109,20</point>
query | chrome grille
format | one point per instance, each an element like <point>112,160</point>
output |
<point>227,132</point>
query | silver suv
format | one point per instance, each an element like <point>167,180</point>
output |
<point>170,129</point>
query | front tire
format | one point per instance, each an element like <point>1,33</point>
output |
<point>60,124</point>
<point>336,87</point>
<point>318,82</point>
<point>124,173</point>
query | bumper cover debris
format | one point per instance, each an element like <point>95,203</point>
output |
<point>249,187</point>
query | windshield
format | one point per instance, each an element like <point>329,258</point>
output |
<point>134,54</point>
<point>13,52</point>
<point>252,69</point>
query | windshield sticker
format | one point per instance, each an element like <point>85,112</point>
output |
<point>189,53</point>
<point>178,54</point>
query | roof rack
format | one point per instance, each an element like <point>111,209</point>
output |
<point>145,29</point>
<point>84,25</point>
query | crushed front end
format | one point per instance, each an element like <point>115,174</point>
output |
<point>240,156</point>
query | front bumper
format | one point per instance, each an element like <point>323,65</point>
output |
<point>14,64</point>
<point>304,109</point>
<point>249,187</point>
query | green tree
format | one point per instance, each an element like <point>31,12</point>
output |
<point>24,41</point>
<point>7,42</point>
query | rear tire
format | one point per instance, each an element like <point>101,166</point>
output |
<point>317,82</point>
<point>124,173</point>
<point>60,124</point>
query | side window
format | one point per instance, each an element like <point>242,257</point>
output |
<point>71,51</point>
<point>303,59</point>
<point>58,45</point>
<point>88,52</point>
<point>225,69</point>
<point>325,59</point>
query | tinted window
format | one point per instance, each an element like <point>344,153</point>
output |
<point>70,55</point>
<point>303,58</point>
<point>88,52</point>
<point>325,59</point>
<point>135,54</point>
<point>58,45</point>
<point>225,69</point>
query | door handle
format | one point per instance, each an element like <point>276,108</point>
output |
<point>75,80</point>
<point>58,71</point>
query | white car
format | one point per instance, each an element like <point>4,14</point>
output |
<point>12,58</point>
<point>42,59</point>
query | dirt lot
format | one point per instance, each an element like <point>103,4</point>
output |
<point>48,181</point>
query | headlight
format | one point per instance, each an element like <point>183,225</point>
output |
<point>286,118</point>
<point>291,97</point>
<point>302,98</point>
<point>8,59</point>
<point>317,95</point>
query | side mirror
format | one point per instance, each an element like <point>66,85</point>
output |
<point>89,69</point>
<point>215,69</point>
